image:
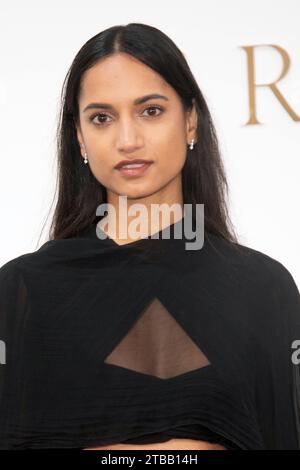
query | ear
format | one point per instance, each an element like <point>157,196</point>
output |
<point>80,139</point>
<point>191,123</point>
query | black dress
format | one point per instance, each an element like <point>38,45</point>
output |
<point>104,343</point>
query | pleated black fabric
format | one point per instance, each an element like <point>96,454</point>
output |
<point>104,343</point>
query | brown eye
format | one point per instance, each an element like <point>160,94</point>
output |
<point>154,107</point>
<point>96,115</point>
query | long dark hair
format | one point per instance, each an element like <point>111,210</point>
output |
<point>203,175</point>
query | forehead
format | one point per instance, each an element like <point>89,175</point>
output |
<point>121,77</point>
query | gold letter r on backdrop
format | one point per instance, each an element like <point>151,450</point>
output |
<point>252,85</point>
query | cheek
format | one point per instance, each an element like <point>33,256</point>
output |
<point>172,154</point>
<point>101,165</point>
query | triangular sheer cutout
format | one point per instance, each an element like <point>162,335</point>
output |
<point>157,345</point>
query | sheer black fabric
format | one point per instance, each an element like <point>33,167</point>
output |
<point>188,431</point>
<point>104,343</point>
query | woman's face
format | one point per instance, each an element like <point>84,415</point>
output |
<point>157,129</point>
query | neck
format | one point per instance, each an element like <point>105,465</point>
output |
<point>150,215</point>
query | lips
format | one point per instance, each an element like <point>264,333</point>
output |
<point>131,162</point>
<point>134,169</point>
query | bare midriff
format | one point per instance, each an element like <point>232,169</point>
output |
<point>174,444</point>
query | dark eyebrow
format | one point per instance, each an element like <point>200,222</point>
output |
<point>137,101</point>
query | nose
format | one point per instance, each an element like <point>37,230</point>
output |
<point>129,137</point>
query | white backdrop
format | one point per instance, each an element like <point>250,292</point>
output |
<point>38,42</point>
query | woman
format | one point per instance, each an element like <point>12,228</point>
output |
<point>133,341</point>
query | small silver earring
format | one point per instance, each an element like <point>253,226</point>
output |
<point>192,144</point>
<point>85,158</point>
